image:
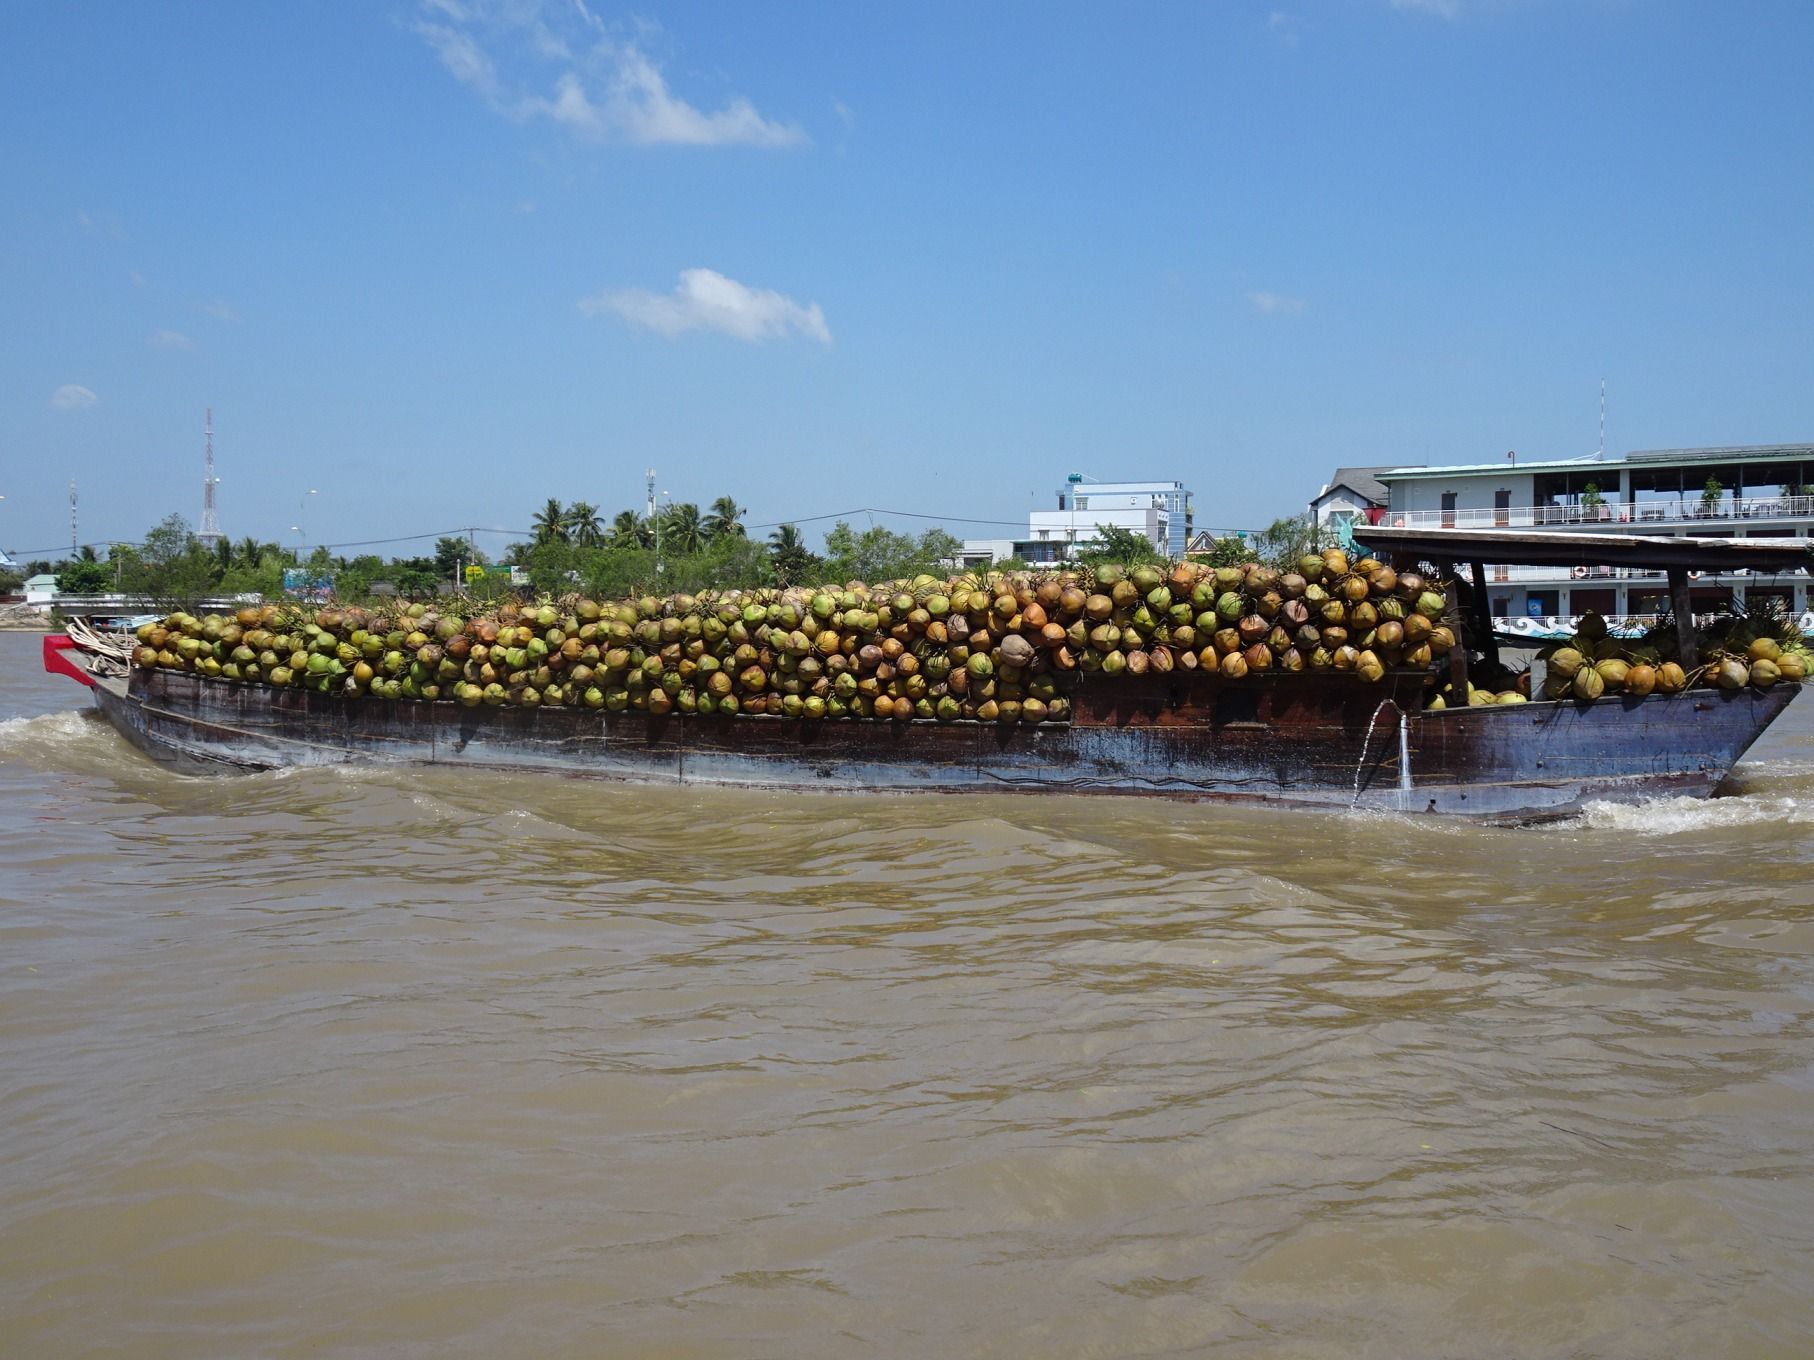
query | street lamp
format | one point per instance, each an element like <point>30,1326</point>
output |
<point>302,518</point>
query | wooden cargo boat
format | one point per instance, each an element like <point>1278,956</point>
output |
<point>1309,739</point>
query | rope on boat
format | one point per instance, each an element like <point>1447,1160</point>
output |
<point>103,652</point>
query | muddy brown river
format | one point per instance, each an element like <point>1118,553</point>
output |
<point>411,1064</point>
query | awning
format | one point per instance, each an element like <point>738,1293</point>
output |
<point>1553,548</point>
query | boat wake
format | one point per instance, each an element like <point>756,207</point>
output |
<point>50,735</point>
<point>1675,816</point>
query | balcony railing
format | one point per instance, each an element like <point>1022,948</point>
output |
<point>1581,576</point>
<point>1612,514</point>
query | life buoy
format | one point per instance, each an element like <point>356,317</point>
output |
<point>1580,573</point>
<point>1696,575</point>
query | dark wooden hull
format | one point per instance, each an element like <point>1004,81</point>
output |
<point>1315,740</point>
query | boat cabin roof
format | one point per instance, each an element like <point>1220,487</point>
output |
<point>1561,548</point>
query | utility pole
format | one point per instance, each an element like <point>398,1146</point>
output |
<point>210,534</point>
<point>655,521</point>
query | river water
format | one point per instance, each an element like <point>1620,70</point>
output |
<point>404,1064</point>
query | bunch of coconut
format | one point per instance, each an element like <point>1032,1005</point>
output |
<point>991,647</point>
<point>1325,614</point>
<point>1497,685</point>
<point>1730,654</point>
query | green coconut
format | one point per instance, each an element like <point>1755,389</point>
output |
<point>1565,661</point>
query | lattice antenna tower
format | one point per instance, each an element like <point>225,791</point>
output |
<point>651,495</point>
<point>72,517</point>
<point>210,534</point>
<point>1602,452</point>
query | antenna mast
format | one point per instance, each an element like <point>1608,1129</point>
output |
<point>72,515</point>
<point>1602,452</point>
<point>210,534</point>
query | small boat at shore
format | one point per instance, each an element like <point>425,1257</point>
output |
<point>1309,739</point>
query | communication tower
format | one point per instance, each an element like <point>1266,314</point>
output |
<point>72,517</point>
<point>210,535</point>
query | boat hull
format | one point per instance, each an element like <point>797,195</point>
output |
<point>1313,740</point>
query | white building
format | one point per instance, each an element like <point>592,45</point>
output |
<point>1753,491</point>
<point>1351,497</point>
<point>1161,512</point>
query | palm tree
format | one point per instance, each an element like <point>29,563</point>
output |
<point>682,531</point>
<point>250,551</point>
<point>223,552</point>
<point>582,520</point>
<point>628,530</point>
<point>551,523</point>
<point>788,552</point>
<point>723,521</point>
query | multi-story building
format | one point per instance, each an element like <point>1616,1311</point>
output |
<point>1753,491</point>
<point>1159,511</point>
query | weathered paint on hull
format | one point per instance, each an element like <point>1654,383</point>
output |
<point>1311,740</point>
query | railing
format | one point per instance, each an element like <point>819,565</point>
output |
<point>1585,575</point>
<point>1612,513</point>
<point>1548,627</point>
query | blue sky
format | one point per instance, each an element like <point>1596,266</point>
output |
<point>440,261</point>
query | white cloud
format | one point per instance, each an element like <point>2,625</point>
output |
<point>1276,304</point>
<point>601,89</point>
<point>1283,27</point>
<point>170,340</point>
<point>1441,9</point>
<point>704,299</point>
<point>138,279</point>
<point>73,397</point>
<point>221,310</point>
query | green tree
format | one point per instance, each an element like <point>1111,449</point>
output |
<point>84,576</point>
<point>1228,551</point>
<point>1281,543</point>
<point>880,554</point>
<point>682,530</point>
<point>788,556</point>
<point>551,523</point>
<point>416,577</point>
<point>629,530</point>
<point>170,566</point>
<point>1121,546</point>
<point>451,554</point>
<point>583,524</point>
<point>725,520</point>
<point>553,565</point>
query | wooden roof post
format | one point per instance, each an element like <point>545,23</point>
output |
<point>1683,609</point>
<point>1458,654</point>
<point>1483,618</point>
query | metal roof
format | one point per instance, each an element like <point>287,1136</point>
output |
<point>1732,453</point>
<point>1735,453</point>
<point>1501,467</point>
<point>1548,548</point>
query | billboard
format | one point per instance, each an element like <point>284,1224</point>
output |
<point>307,583</point>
